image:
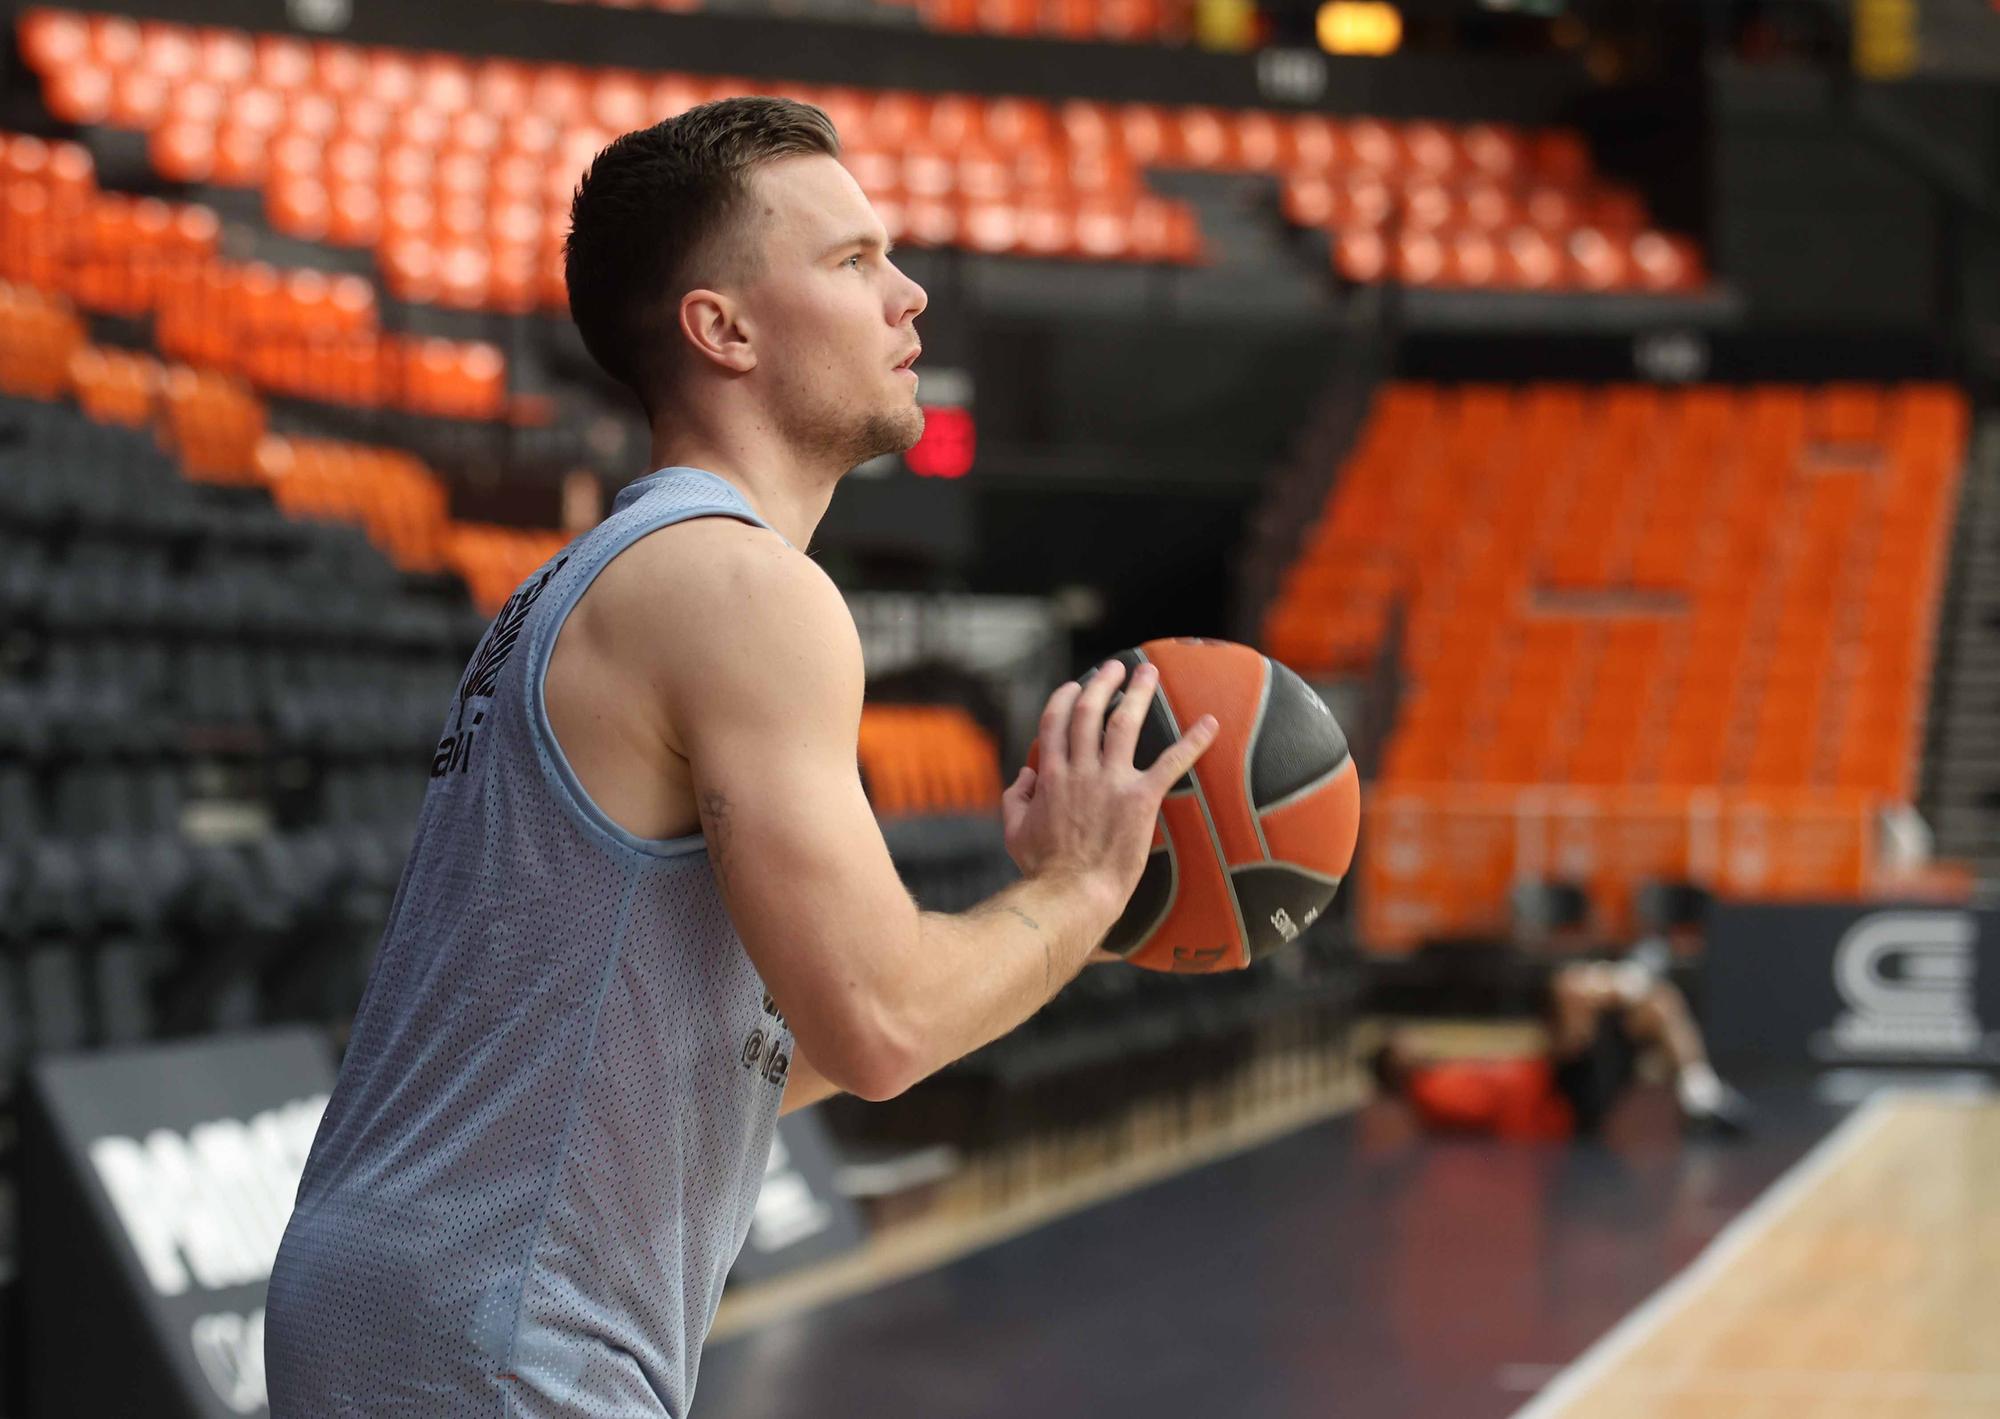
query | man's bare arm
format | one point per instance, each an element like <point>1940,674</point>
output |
<point>762,679</point>
<point>804,1085</point>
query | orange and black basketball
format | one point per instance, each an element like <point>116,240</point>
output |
<point>1251,846</point>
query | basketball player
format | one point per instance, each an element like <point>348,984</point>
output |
<point>647,900</point>
<point>1600,1016</point>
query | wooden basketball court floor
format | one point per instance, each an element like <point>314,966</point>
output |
<point>1866,1282</point>
<point>1840,1264</point>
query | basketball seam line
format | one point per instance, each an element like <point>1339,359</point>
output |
<point>1326,878</point>
<point>1303,791</point>
<point>1166,710</point>
<point>1250,756</point>
<point>1214,838</point>
<point>1173,858</point>
<point>1173,890</point>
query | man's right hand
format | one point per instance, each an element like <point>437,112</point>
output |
<point>1086,814</point>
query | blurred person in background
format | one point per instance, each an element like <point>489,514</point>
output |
<point>1600,1018</point>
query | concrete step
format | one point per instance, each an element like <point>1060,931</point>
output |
<point>1967,844</point>
<point>1961,749</point>
<point>1967,717</point>
<point>1977,664</point>
<point>1962,766</point>
<point>1968,828</point>
<point>1966,689</point>
<point>1967,760</point>
<point>1960,755</point>
<point>1966,836</point>
<point>1976,803</point>
<point>1973,637</point>
<point>1968,818</point>
<point>1964,752</point>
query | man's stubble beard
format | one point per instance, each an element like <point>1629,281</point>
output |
<point>894,431</point>
<point>846,441</point>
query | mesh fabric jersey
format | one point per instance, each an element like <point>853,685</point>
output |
<point>553,1118</point>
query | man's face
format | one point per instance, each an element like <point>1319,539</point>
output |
<point>832,320</point>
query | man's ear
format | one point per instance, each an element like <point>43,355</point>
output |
<point>713,324</point>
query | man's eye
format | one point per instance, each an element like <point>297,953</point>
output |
<point>855,261</point>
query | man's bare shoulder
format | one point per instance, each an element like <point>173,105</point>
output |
<point>712,581</point>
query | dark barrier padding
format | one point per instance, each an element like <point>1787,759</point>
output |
<point>1853,983</point>
<point>155,1185</point>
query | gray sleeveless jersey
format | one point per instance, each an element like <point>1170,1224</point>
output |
<point>553,1118</point>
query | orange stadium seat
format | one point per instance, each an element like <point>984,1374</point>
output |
<point>1124,21</point>
<point>213,422</point>
<point>445,166</point>
<point>1762,635</point>
<point>927,759</point>
<point>299,331</point>
<point>495,560</point>
<point>116,386</point>
<point>399,501</point>
<point>296,332</point>
<point>40,337</point>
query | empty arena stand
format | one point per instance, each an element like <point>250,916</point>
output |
<point>191,842</point>
<point>298,332</point>
<point>216,425</point>
<point>185,593</point>
<point>457,172</point>
<point>186,841</point>
<point>1650,634</point>
<point>1479,207</point>
<point>1118,21</point>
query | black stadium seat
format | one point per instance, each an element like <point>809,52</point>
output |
<point>53,988</point>
<point>157,634</point>
<point>24,728</point>
<point>23,572</point>
<point>93,798</point>
<point>11,868</point>
<point>121,888</point>
<point>125,974</point>
<point>20,809</point>
<point>158,798</point>
<point>166,866</point>
<point>53,896</point>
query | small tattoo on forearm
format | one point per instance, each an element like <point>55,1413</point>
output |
<point>1048,952</point>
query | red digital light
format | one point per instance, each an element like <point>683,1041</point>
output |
<point>945,450</point>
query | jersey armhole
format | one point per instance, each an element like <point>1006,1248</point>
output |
<point>548,749</point>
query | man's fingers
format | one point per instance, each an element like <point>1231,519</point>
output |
<point>1121,730</point>
<point>1014,802</point>
<point>1055,725</point>
<point>1177,758</point>
<point>1086,719</point>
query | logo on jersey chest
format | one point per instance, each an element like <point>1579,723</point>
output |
<point>766,1050</point>
<point>482,677</point>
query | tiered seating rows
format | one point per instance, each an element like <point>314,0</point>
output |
<point>458,173</point>
<point>917,759</point>
<point>294,332</point>
<point>1122,21</point>
<point>216,424</point>
<point>1638,597</point>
